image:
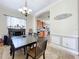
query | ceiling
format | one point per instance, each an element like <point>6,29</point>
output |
<point>35,5</point>
<point>44,15</point>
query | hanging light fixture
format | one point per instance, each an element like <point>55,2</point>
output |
<point>25,10</point>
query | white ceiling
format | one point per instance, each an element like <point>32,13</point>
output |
<point>44,15</point>
<point>35,5</point>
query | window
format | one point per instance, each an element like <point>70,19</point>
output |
<point>13,22</point>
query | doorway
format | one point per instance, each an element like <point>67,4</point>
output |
<point>43,24</point>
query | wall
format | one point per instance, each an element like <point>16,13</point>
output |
<point>4,12</point>
<point>66,27</point>
<point>66,30</point>
<point>31,24</point>
<point>78,25</point>
<point>30,20</point>
<point>64,33</point>
<point>3,25</point>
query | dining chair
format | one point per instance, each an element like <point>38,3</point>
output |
<point>38,51</point>
<point>6,40</point>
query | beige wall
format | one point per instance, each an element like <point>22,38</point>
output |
<point>68,26</point>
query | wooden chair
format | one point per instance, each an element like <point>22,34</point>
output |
<point>39,50</point>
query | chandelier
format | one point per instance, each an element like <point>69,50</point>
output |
<point>25,10</point>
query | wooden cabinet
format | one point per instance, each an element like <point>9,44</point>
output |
<point>42,34</point>
<point>41,28</point>
<point>40,24</point>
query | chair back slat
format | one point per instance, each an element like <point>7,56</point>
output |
<point>41,46</point>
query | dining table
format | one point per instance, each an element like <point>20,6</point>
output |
<point>19,42</point>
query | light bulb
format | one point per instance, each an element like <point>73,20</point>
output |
<point>30,10</point>
<point>23,12</point>
<point>20,10</point>
<point>24,8</point>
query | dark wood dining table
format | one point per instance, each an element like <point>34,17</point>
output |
<point>19,42</point>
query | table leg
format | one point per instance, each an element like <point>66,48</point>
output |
<point>10,51</point>
<point>26,53</point>
<point>24,50</point>
<point>13,54</point>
